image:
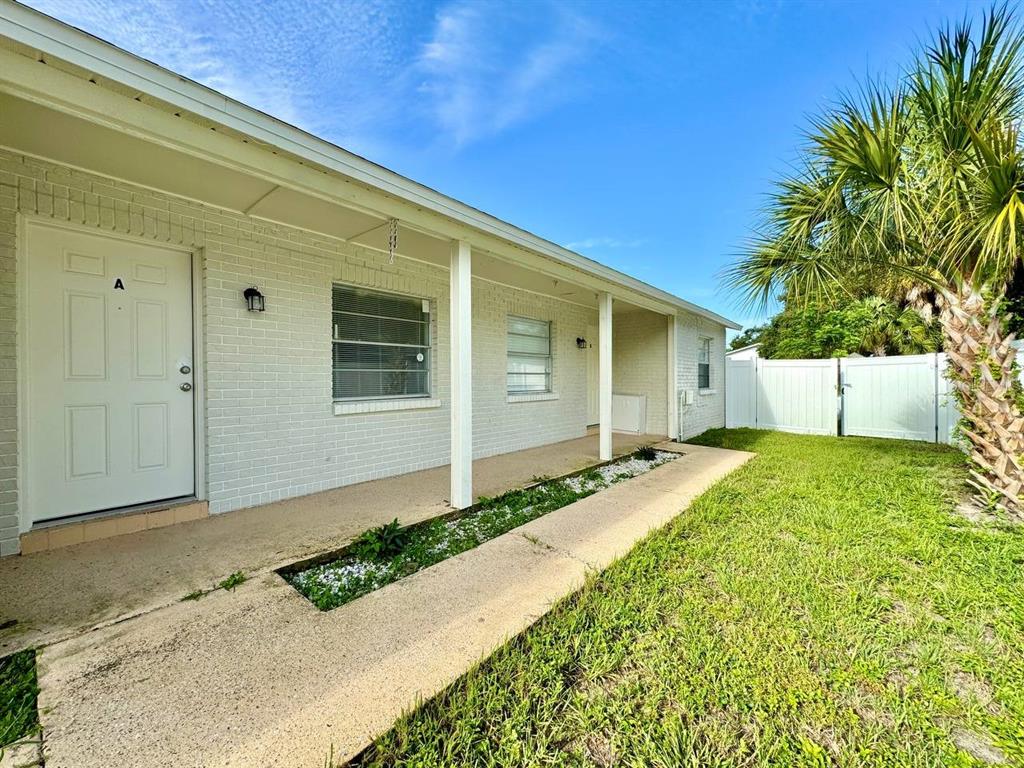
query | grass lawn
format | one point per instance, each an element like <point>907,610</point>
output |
<point>18,691</point>
<point>823,605</point>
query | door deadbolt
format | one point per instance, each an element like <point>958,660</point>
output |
<point>186,387</point>
<point>185,369</point>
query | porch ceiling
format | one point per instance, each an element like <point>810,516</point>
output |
<point>39,130</point>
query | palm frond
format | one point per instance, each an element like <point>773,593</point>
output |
<point>960,83</point>
<point>917,185</point>
<point>772,267</point>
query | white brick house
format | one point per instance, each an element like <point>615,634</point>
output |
<point>137,206</point>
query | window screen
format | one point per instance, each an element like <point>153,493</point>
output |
<point>381,345</point>
<point>529,355</point>
<point>704,365</point>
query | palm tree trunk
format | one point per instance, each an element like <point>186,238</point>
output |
<point>984,375</point>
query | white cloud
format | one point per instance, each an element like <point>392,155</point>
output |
<point>172,35</point>
<point>361,72</point>
<point>288,58</point>
<point>487,66</point>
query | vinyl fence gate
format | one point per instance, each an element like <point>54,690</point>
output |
<point>906,397</point>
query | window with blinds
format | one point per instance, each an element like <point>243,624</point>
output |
<point>529,355</point>
<point>381,345</point>
<point>704,365</point>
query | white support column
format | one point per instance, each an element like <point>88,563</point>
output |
<point>673,381</point>
<point>605,373</point>
<point>461,356</point>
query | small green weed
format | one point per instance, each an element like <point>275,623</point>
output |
<point>228,584</point>
<point>991,501</point>
<point>232,581</point>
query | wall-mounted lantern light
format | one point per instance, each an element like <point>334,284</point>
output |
<point>581,343</point>
<point>254,300</point>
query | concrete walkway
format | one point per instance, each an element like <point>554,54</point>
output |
<point>259,677</point>
<point>58,594</point>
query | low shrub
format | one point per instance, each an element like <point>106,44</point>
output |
<point>646,453</point>
<point>380,544</point>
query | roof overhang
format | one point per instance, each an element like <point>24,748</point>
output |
<point>743,349</point>
<point>141,99</point>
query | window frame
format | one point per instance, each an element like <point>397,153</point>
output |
<point>705,344</point>
<point>549,374</point>
<point>427,348</point>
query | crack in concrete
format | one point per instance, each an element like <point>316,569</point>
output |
<point>539,543</point>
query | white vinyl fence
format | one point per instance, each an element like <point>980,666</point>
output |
<point>787,395</point>
<point>905,397</point>
<point>897,397</point>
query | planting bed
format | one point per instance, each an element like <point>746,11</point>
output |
<point>395,553</point>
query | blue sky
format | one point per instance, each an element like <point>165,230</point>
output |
<point>642,134</point>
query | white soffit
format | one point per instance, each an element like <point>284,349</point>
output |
<point>295,209</point>
<point>37,130</point>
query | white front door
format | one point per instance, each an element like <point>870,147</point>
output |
<point>593,377</point>
<point>109,361</point>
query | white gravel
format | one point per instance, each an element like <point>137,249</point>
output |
<point>339,576</point>
<point>620,470</point>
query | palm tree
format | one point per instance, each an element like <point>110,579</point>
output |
<point>892,329</point>
<point>921,185</point>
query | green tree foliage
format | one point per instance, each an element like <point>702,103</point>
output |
<point>748,336</point>
<point>869,326</point>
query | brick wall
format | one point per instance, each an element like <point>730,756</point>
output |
<point>708,408</point>
<point>640,363</point>
<point>499,425</point>
<point>271,428</point>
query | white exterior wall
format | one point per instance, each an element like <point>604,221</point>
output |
<point>271,429</point>
<point>502,423</point>
<point>708,408</point>
<point>640,363</point>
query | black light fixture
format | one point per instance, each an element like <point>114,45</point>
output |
<point>581,343</point>
<point>254,300</point>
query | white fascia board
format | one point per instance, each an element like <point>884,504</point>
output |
<point>50,36</point>
<point>744,349</point>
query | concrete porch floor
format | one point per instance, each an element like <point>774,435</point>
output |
<point>57,594</point>
<point>258,677</point>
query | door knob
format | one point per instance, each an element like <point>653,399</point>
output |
<point>186,387</point>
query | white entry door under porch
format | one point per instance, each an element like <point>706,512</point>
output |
<point>108,355</point>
